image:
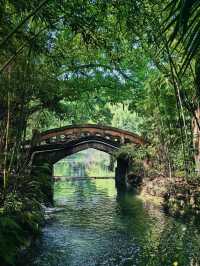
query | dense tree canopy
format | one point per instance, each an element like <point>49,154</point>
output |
<point>65,62</point>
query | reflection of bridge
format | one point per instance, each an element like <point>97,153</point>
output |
<point>53,145</point>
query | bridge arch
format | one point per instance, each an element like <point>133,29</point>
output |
<point>55,152</point>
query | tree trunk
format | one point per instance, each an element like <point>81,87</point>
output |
<point>196,139</point>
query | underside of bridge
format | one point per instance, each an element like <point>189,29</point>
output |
<point>56,151</point>
<point>54,145</point>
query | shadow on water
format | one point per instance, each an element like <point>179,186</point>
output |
<point>99,227</point>
<point>132,214</point>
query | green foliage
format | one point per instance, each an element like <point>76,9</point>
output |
<point>42,174</point>
<point>87,163</point>
<point>11,238</point>
<point>184,21</point>
<point>125,119</point>
<point>137,153</point>
<point>81,69</point>
<point>61,168</point>
<point>21,217</point>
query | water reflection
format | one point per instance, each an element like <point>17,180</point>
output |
<point>97,227</point>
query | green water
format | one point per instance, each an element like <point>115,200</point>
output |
<point>97,227</point>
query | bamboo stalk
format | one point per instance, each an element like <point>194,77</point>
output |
<point>5,173</point>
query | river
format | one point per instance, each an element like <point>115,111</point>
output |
<point>96,227</point>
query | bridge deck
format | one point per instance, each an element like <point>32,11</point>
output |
<point>78,131</point>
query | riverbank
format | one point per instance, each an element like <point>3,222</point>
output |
<point>178,196</point>
<point>22,214</point>
<point>18,230</point>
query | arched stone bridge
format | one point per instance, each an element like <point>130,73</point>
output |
<point>55,144</point>
<point>75,138</point>
<point>68,133</point>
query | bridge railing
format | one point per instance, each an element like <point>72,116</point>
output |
<point>67,134</point>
